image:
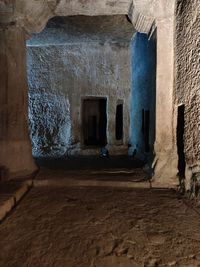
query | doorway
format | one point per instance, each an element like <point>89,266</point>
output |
<point>180,141</point>
<point>119,122</point>
<point>94,121</point>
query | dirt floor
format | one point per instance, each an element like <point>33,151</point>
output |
<point>100,227</point>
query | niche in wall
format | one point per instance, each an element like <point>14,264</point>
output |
<point>180,140</point>
<point>94,121</point>
<point>119,121</point>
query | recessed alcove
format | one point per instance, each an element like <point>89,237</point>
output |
<point>89,80</point>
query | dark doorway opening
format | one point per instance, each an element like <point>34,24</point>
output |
<point>119,122</point>
<point>180,141</point>
<point>94,121</point>
<point>146,128</point>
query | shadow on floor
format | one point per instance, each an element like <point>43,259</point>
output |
<point>90,163</point>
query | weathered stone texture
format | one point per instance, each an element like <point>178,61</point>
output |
<point>51,127</point>
<point>66,72</point>
<point>188,74</point>
<point>79,29</point>
<point>34,14</point>
<point>188,86</point>
<point>15,152</point>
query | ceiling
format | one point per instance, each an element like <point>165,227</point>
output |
<point>73,29</point>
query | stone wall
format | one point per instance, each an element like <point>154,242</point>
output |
<point>32,16</point>
<point>143,92</point>
<point>60,75</point>
<point>188,84</point>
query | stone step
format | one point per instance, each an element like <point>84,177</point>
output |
<point>11,192</point>
<point>62,182</point>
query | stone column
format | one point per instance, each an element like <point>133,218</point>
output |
<point>15,146</point>
<point>166,161</point>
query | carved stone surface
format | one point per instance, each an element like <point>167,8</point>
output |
<point>68,63</point>
<point>34,14</point>
<point>15,153</point>
<point>188,80</point>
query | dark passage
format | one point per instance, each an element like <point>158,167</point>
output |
<point>94,121</point>
<point>119,122</point>
<point>180,141</point>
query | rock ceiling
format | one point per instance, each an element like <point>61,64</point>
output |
<point>76,29</point>
<point>34,14</point>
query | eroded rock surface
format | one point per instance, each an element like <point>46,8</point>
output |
<point>100,227</point>
<point>51,127</point>
<point>33,15</point>
<point>188,82</point>
<point>71,60</point>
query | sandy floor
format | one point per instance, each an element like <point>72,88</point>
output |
<point>100,227</point>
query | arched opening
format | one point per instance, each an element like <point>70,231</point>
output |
<point>30,18</point>
<point>89,82</point>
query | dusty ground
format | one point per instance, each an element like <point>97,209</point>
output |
<point>100,227</point>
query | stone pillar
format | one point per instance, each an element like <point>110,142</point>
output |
<point>15,146</point>
<point>166,162</point>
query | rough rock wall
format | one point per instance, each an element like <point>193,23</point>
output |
<point>188,82</point>
<point>59,76</point>
<point>50,124</point>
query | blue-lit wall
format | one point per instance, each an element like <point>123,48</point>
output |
<point>143,89</point>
